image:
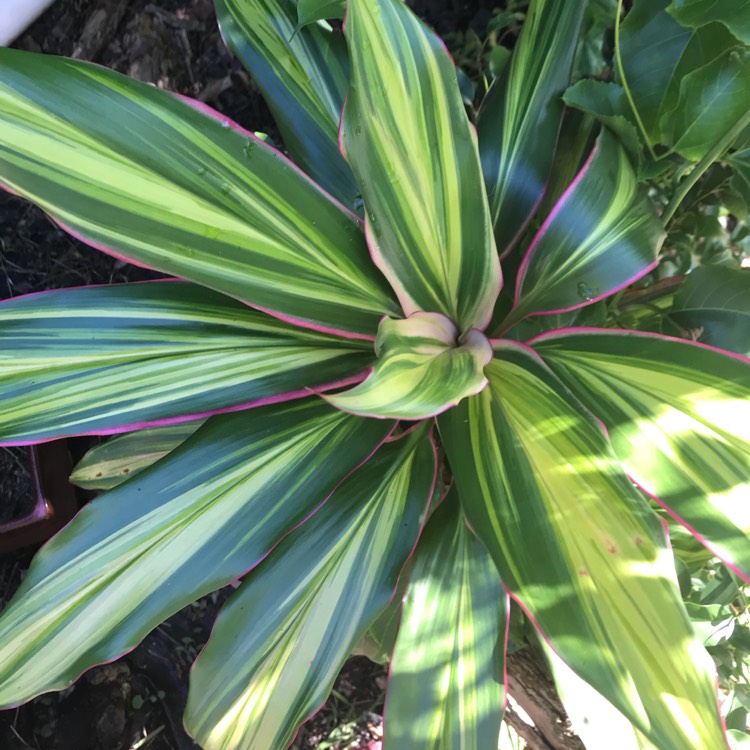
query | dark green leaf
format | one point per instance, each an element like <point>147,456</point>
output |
<point>734,14</point>
<point>714,305</point>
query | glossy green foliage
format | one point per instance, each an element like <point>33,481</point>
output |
<point>337,307</point>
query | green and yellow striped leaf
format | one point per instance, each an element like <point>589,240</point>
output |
<point>303,74</point>
<point>141,173</point>
<point>122,457</point>
<point>678,415</point>
<point>580,549</point>
<point>282,638</point>
<point>422,369</point>
<point>188,525</point>
<point>108,359</point>
<point>407,137</point>
<point>519,119</point>
<point>602,235</point>
<point>446,686</point>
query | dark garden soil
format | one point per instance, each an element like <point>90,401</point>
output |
<point>137,702</point>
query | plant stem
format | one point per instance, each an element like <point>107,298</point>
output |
<point>625,87</point>
<point>713,155</point>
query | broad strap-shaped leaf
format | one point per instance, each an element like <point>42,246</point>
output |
<point>281,640</point>
<point>446,687</point>
<point>519,120</point>
<point>422,369</point>
<point>303,75</point>
<point>602,235</point>
<point>109,464</point>
<point>407,137</point>
<point>143,174</point>
<point>580,549</point>
<point>714,306</point>
<point>191,523</point>
<point>309,11</point>
<point>651,46</point>
<point>108,359</point>
<point>684,86</point>
<point>678,415</point>
<point>734,14</point>
<point>711,101</point>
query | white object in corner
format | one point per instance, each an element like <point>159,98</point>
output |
<point>17,15</point>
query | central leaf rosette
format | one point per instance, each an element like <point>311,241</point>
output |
<point>423,368</point>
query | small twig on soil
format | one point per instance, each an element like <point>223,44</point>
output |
<point>147,739</point>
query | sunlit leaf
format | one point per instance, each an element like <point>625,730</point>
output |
<point>679,418</point>
<point>580,549</point>
<point>446,676</point>
<point>280,642</point>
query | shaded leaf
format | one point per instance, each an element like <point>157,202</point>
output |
<point>651,46</point>
<point>519,119</point>
<point>602,235</point>
<point>112,358</point>
<point>714,304</point>
<point>303,74</point>
<point>712,100</point>
<point>309,11</point>
<point>188,525</point>
<point>107,465</point>
<point>734,14</point>
<point>606,102</point>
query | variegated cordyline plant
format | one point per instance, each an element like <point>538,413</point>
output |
<point>352,410</point>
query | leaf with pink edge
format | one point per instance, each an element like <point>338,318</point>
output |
<point>280,642</point>
<point>580,549</point>
<point>184,527</point>
<point>678,415</point>
<point>446,678</point>
<point>422,369</point>
<point>144,175</point>
<point>602,235</point>
<point>108,359</point>
<point>408,139</point>
<point>519,120</point>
